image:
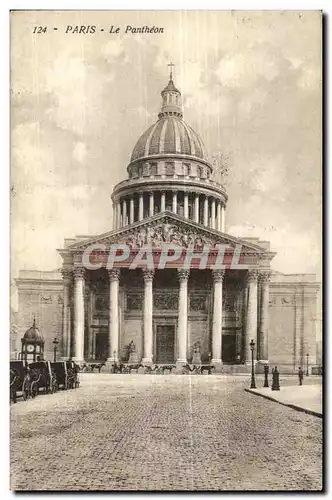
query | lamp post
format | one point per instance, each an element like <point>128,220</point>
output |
<point>307,374</point>
<point>114,354</point>
<point>55,344</point>
<point>252,348</point>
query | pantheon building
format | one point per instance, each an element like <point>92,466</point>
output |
<point>171,197</point>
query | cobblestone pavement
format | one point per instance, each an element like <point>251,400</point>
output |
<point>150,432</point>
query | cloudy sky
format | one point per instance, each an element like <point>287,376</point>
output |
<point>251,86</point>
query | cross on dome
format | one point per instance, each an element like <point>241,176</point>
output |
<point>171,66</point>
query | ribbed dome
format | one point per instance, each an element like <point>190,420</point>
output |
<point>33,334</point>
<point>169,135</point>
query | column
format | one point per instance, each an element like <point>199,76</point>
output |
<point>223,219</point>
<point>113,315</point>
<point>251,330</point>
<point>147,318</point>
<point>114,216</point>
<point>66,275</point>
<point>78,314</point>
<point>163,201</point>
<point>196,209</point>
<point>206,211</point>
<point>124,213</point>
<point>186,209</point>
<point>218,277</point>
<point>151,204</point>
<point>213,213</point>
<point>218,216</point>
<point>131,210</point>
<point>264,317</point>
<point>141,207</point>
<point>183,275</point>
<point>89,316</point>
<point>175,202</point>
<point>118,212</point>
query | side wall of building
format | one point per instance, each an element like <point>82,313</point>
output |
<point>40,295</point>
<point>293,322</point>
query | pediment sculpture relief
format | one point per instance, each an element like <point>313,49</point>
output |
<point>166,233</point>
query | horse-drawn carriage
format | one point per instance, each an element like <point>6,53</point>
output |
<point>20,381</point>
<point>59,368</point>
<point>42,377</point>
<point>73,380</point>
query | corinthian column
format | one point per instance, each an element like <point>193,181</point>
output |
<point>113,315</point>
<point>151,204</point>
<point>141,207</point>
<point>66,275</point>
<point>251,330</point>
<point>163,201</point>
<point>186,207</point>
<point>118,214</point>
<point>219,216</point>
<point>78,314</point>
<point>213,213</point>
<point>183,275</point>
<point>148,315</point>
<point>131,210</point>
<point>264,317</point>
<point>196,213</point>
<point>175,201</point>
<point>124,212</point>
<point>218,277</point>
<point>206,211</point>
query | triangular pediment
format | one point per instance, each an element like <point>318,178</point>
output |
<point>167,228</point>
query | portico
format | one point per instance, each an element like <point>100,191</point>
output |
<point>223,309</point>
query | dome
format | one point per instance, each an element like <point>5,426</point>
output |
<point>169,135</point>
<point>33,334</point>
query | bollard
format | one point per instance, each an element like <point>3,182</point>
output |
<point>266,373</point>
<point>300,376</point>
<point>275,379</point>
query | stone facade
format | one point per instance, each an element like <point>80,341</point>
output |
<point>170,198</point>
<point>292,310</point>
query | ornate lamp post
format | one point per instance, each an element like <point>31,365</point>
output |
<point>307,373</point>
<point>252,348</point>
<point>55,344</point>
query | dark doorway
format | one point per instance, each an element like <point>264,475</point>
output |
<point>101,346</point>
<point>165,344</point>
<point>229,348</point>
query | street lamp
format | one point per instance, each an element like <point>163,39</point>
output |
<point>307,374</point>
<point>252,348</point>
<point>55,344</point>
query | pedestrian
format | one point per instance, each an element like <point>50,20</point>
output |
<point>300,375</point>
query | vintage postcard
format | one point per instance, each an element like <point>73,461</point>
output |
<point>166,183</point>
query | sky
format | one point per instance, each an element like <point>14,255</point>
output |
<point>251,87</point>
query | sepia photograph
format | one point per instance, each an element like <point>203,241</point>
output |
<point>166,328</point>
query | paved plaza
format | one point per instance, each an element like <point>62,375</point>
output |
<point>150,432</point>
<point>308,397</point>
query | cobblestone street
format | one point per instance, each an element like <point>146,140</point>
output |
<point>142,432</point>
